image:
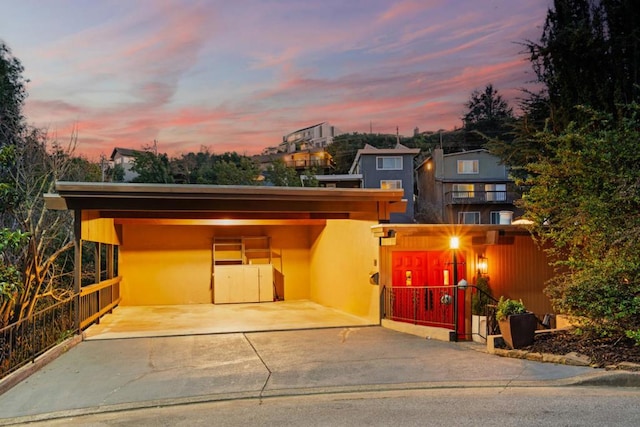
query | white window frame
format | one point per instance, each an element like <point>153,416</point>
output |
<point>381,160</point>
<point>468,167</point>
<point>391,184</point>
<point>462,215</point>
<point>495,192</point>
<point>462,191</point>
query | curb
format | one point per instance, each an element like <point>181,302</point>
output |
<point>286,393</point>
<point>610,379</point>
<point>30,368</point>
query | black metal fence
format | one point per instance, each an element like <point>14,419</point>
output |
<point>433,306</point>
<point>420,305</point>
<point>491,327</point>
<point>23,341</point>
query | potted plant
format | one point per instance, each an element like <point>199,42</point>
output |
<point>517,325</point>
<point>479,301</point>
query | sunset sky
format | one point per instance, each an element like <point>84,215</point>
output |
<point>238,75</point>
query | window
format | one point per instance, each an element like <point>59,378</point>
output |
<point>467,166</point>
<point>468,217</point>
<point>462,191</point>
<point>495,217</point>
<point>389,163</point>
<point>391,184</point>
<point>496,192</point>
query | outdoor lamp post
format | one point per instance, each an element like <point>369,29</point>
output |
<point>454,245</point>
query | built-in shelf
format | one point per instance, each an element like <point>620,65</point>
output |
<point>242,252</point>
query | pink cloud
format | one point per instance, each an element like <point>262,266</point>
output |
<point>237,77</point>
<point>406,8</point>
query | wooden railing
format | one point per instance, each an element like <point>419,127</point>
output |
<point>98,299</point>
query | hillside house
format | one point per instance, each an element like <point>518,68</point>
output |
<point>468,187</point>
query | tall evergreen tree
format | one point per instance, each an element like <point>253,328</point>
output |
<point>12,96</point>
<point>488,117</point>
<point>589,55</point>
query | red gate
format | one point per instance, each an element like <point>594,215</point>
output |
<point>422,290</point>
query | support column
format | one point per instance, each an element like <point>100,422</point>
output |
<point>110,261</point>
<point>77,264</point>
<point>98,262</point>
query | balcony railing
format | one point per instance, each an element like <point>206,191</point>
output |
<point>313,163</point>
<point>480,197</point>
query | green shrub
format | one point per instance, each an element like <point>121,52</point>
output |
<point>507,307</point>
<point>634,335</point>
<point>481,297</point>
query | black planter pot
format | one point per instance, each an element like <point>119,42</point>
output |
<point>518,330</point>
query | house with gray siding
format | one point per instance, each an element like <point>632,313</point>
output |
<point>468,187</point>
<point>388,168</point>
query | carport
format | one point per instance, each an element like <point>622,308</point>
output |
<point>161,245</point>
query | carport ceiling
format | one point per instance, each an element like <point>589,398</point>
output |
<point>179,201</point>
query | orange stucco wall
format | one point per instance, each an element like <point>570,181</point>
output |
<point>97,229</point>
<point>328,264</point>
<point>293,242</point>
<point>163,265</point>
<point>171,264</point>
<point>343,256</point>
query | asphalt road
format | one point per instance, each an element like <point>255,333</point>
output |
<point>537,406</point>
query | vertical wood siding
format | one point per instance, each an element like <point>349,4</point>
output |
<point>517,268</point>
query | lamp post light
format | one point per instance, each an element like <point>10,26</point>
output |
<point>454,244</point>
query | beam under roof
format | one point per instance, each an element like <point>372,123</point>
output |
<point>118,200</point>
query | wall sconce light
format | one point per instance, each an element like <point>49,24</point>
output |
<point>483,265</point>
<point>389,240</point>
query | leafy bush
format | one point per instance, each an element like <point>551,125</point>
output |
<point>10,277</point>
<point>606,293</point>
<point>481,297</point>
<point>507,307</point>
<point>584,200</point>
<point>634,335</point>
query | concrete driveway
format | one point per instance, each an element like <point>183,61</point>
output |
<point>104,375</point>
<point>198,319</point>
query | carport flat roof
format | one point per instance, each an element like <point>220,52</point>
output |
<point>448,229</point>
<point>128,200</point>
